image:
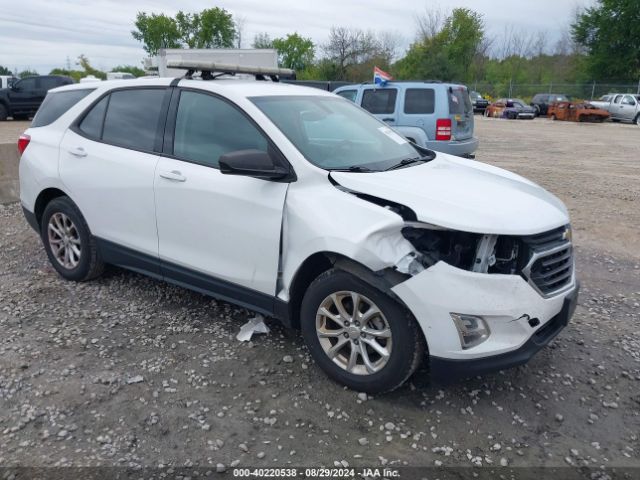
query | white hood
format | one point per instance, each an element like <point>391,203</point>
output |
<point>464,195</point>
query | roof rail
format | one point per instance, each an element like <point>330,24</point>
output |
<point>207,68</point>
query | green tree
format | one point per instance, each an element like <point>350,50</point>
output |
<point>156,32</point>
<point>216,29</point>
<point>610,32</point>
<point>446,51</point>
<point>83,61</point>
<point>262,40</point>
<point>294,51</point>
<point>5,71</point>
<point>133,70</point>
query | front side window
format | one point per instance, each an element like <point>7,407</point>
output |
<point>56,104</point>
<point>132,118</point>
<point>380,101</point>
<point>47,83</point>
<point>335,135</point>
<point>27,84</point>
<point>208,127</point>
<point>628,100</point>
<point>419,100</point>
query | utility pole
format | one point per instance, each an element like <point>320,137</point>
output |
<point>638,92</point>
<point>510,87</point>
<point>593,89</point>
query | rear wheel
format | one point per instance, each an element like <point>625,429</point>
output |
<point>68,242</point>
<point>553,117</point>
<point>637,120</point>
<point>3,113</point>
<point>358,335</point>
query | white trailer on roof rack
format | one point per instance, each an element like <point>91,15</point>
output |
<point>258,57</point>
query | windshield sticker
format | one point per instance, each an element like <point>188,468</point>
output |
<point>393,135</point>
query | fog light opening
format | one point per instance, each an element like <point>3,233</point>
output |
<point>472,330</point>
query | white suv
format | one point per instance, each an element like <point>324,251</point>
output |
<point>297,204</point>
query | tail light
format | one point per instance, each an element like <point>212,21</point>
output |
<point>443,129</point>
<point>23,143</point>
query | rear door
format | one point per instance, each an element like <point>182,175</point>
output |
<point>381,102</point>
<point>108,162</point>
<point>616,107</point>
<point>628,107</point>
<point>460,112</point>
<point>418,108</point>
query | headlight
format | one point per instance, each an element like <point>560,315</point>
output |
<point>471,329</point>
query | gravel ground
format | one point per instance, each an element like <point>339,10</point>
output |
<point>129,371</point>
<point>11,130</point>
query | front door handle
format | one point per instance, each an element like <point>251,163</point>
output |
<point>78,152</point>
<point>173,175</point>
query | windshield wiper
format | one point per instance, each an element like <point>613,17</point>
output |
<point>406,161</point>
<point>353,168</point>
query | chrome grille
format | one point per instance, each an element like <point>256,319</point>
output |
<point>550,266</point>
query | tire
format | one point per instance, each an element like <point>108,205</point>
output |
<point>404,344</point>
<point>3,113</point>
<point>553,117</point>
<point>637,120</point>
<point>537,112</point>
<point>77,257</point>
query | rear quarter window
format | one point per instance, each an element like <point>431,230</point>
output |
<point>419,100</point>
<point>56,104</point>
<point>380,101</point>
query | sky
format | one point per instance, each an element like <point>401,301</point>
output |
<point>41,34</point>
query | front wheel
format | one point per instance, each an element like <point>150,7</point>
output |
<point>68,242</point>
<point>358,335</point>
<point>637,120</point>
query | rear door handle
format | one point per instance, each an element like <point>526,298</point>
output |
<point>388,120</point>
<point>78,152</point>
<point>173,175</point>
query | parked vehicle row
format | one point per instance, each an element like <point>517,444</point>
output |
<point>297,204</point>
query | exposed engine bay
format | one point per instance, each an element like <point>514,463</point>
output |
<point>468,251</point>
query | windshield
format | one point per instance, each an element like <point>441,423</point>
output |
<point>335,134</point>
<point>475,95</point>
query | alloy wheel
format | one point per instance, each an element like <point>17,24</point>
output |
<point>354,333</point>
<point>64,240</point>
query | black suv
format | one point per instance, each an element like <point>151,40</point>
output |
<point>541,101</point>
<point>23,98</point>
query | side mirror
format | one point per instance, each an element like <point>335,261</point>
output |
<point>253,163</point>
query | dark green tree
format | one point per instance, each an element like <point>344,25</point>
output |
<point>133,70</point>
<point>610,33</point>
<point>216,29</point>
<point>294,51</point>
<point>156,32</point>
<point>28,73</point>
<point>5,71</point>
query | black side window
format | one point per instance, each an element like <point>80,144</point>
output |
<point>91,125</point>
<point>349,94</point>
<point>380,101</point>
<point>132,118</point>
<point>47,83</point>
<point>419,100</point>
<point>27,84</point>
<point>55,104</point>
<point>208,127</point>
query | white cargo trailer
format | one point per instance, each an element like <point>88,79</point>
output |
<point>264,58</point>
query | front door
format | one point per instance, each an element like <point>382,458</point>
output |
<point>219,233</point>
<point>25,96</point>
<point>381,102</point>
<point>628,108</point>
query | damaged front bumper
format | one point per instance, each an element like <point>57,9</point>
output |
<point>520,320</point>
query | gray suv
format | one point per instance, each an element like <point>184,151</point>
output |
<point>438,116</point>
